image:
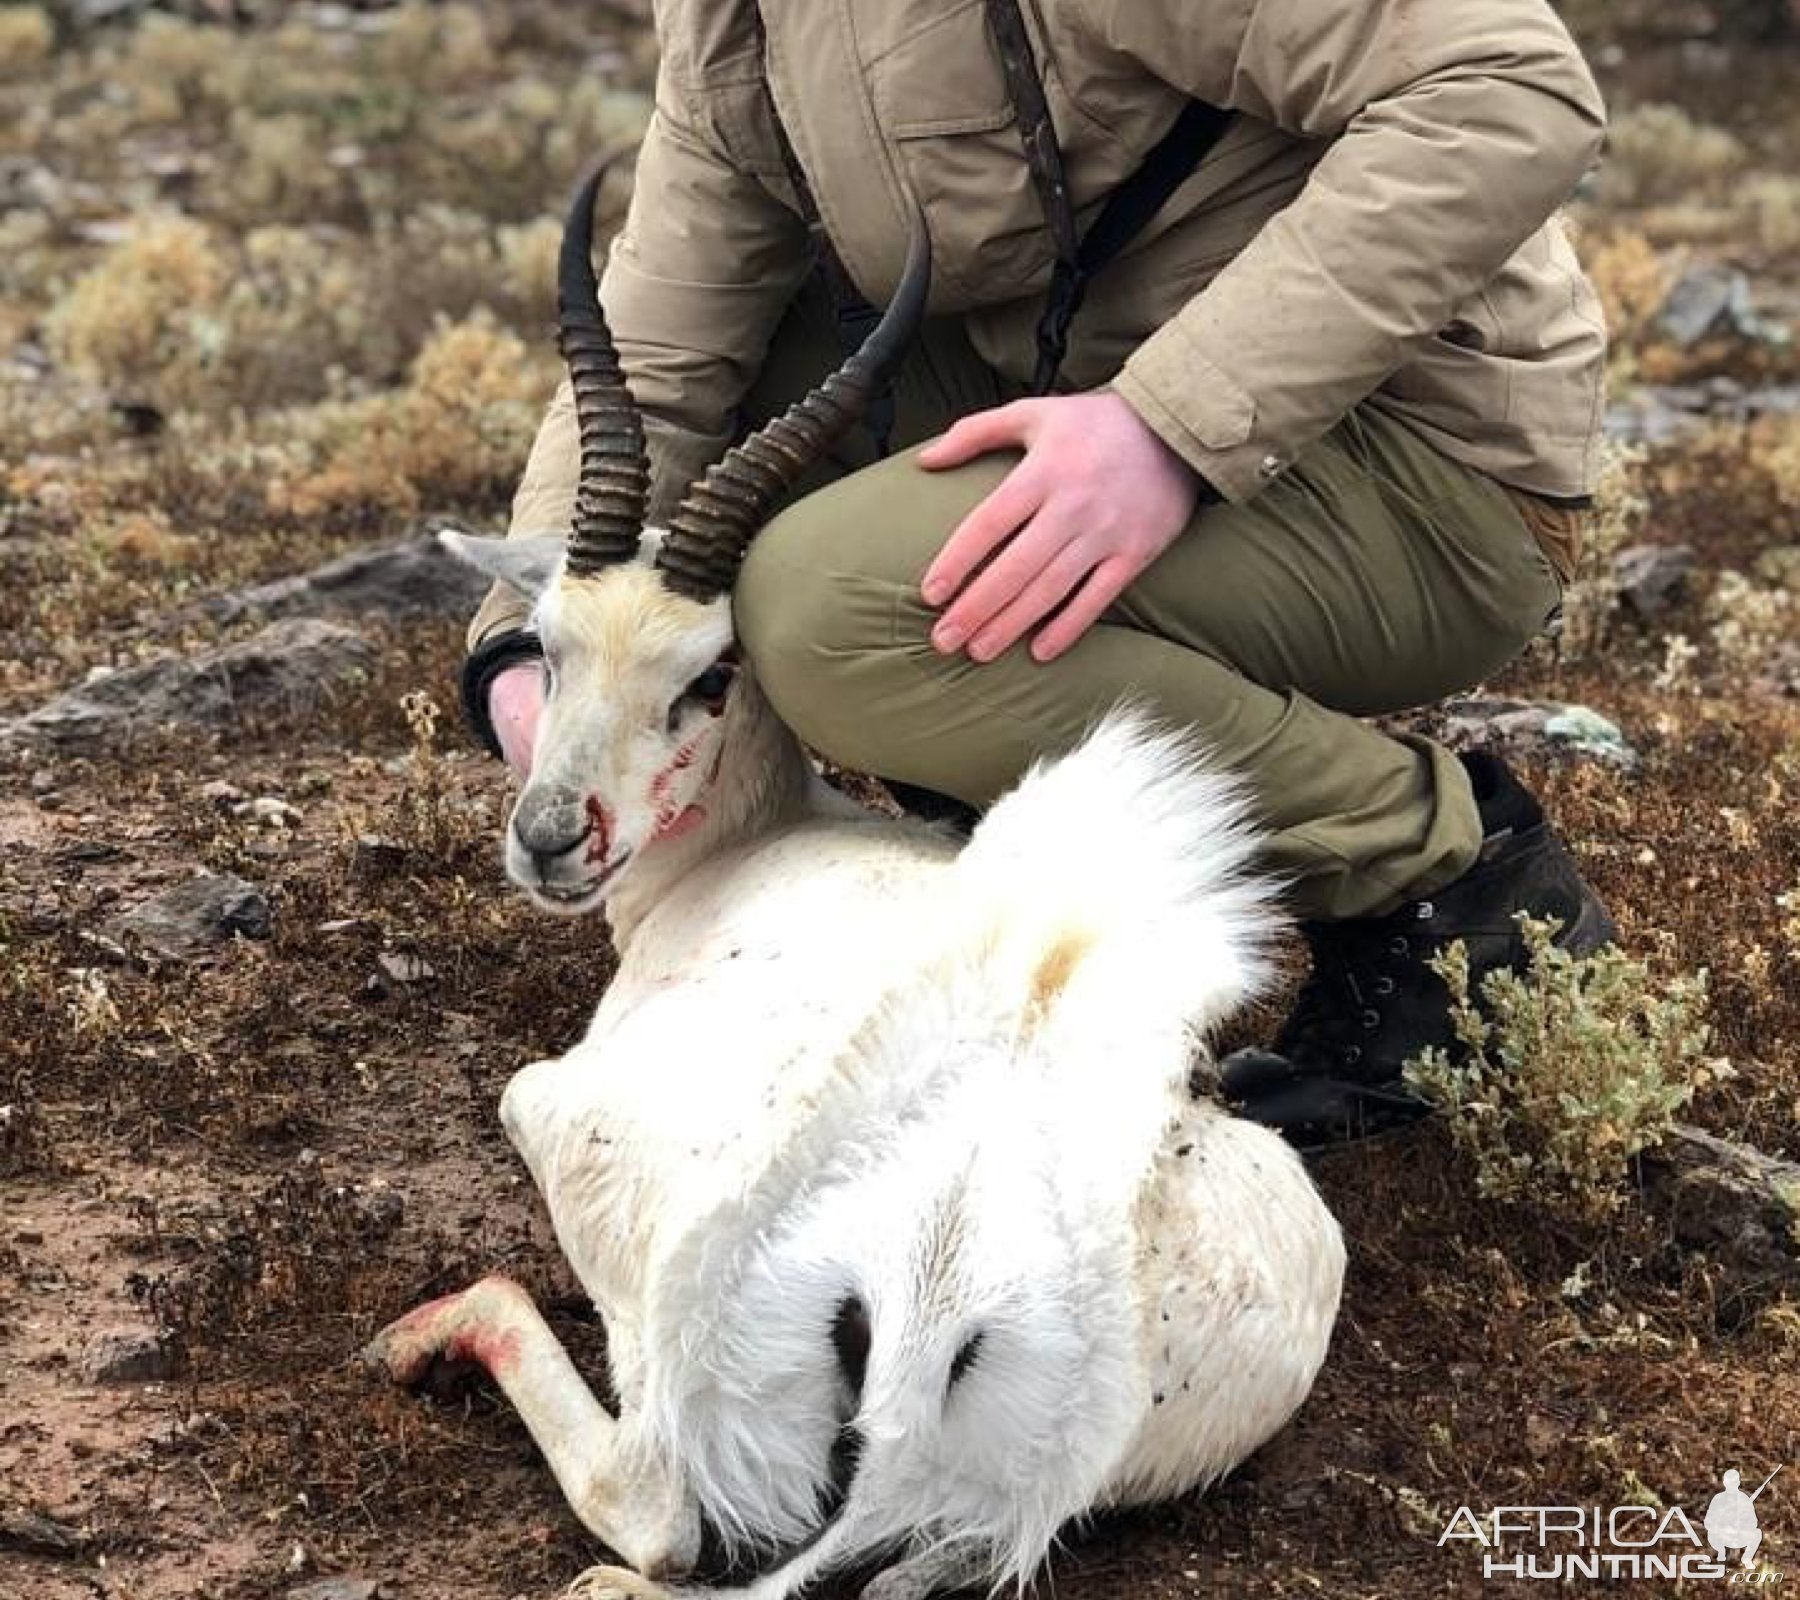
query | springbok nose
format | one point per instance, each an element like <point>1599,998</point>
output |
<point>552,827</point>
<point>546,851</point>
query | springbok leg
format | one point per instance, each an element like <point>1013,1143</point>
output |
<point>935,1572</point>
<point>632,1502</point>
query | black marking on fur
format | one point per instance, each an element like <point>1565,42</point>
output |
<point>851,1337</point>
<point>964,1359</point>
<point>846,1457</point>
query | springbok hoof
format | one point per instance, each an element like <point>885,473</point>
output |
<point>615,1583</point>
<point>413,1348</point>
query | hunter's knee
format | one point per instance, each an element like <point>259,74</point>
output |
<point>815,623</point>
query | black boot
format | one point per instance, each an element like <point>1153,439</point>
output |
<point>1372,1003</point>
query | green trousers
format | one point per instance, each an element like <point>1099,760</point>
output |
<point>1375,574</point>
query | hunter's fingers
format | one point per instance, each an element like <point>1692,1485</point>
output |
<point>981,432</point>
<point>995,520</point>
<point>1105,584</point>
<point>1042,595</point>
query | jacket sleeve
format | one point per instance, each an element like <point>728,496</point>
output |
<point>1457,128</point>
<point>694,287</point>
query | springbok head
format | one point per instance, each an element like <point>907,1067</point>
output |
<point>644,686</point>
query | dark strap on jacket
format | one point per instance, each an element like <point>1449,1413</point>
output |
<point>1128,209</point>
<point>1126,213</point>
<point>856,318</point>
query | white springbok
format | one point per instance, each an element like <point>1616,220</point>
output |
<point>879,1158</point>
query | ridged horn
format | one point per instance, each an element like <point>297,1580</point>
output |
<point>721,514</point>
<point>614,486</point>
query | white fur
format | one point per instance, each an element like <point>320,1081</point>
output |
<point>841,1060</point>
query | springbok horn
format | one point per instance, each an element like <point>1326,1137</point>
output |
<point>614,486</point>
<point>721,514</point>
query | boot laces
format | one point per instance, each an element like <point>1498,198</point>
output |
<point>1340,1005</point>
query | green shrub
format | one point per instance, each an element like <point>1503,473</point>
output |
<point>1567,1069</point>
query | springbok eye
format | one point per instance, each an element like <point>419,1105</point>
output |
<point>711,687</point>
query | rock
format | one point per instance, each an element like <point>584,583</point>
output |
<point>1655,414</point>
<point>382,1211</point>
<point>1715,300</point>
<point>42,1535</point>
<point>29,185</point>
<point>343,1588</point>
<point>128,1355</point>
<point>1651,577</point>
<point>197,916</point>
<point>1528,727</point>
<point>91,13</point>
<point>1738,1205</point>
<point>404,968</point>
<point>271,811</point>
<point>416,578</point>
<point>374,855</point>
<point>282,669</point>
<point>222,794</point>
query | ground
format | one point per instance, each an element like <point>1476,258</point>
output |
<point>273,288</point>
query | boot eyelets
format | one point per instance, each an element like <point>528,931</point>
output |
<point>1371,1019</point>
<point>1384,986</point>
<point>1352,1054</point>
<point>1398,946</point>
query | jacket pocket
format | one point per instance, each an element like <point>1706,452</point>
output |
<point>942,77</point>
<point>940,98</point>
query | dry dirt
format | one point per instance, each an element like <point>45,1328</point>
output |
<point>260,1156</point>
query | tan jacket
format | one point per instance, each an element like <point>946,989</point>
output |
<point>1374,223</point>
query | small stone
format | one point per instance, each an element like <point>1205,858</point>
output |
<point>1711,301</point>
<point>222,794</point>
<point>343,1588</point>
<point>128,1355</point>
<point>382,1211</point>
<point>273,811</point>
<point>1585,732</point>
<point>1531,728</point>
<point>375,855</point>
<point>1651,577</point>
<point>404,968</point>
<point>39,1534</point>
<point>195,917</point>
<point>1737,1204</point>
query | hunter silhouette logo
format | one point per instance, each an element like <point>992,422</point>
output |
<point>1731,1519</point>
<point>1623,1542</point>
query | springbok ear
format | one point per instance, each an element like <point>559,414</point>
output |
<point>527,563</point>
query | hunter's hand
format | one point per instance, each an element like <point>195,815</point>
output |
<point>515,702</point>
<point>1097,498</point>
